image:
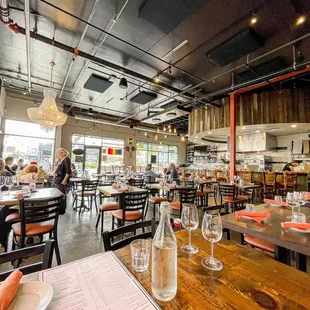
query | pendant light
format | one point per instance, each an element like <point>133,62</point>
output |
<point>47,115</point>
<point>123,83</point>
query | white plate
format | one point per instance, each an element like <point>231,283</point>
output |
<point>33,295</point>
<point>275,205</point>
<point>300,230</point>
<point>246,217</point>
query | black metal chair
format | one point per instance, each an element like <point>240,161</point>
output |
<point>85,189</point>
<point>187,195</point>
<point>37,218</point>
<point>136,182</point>
<point>108,236</point>
<point>18,255</point>
<point>229,196</point>
<point>134,209</point>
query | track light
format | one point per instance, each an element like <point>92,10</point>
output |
<point>300,20</point>
<point>254,19</point>
<point>123,83</point>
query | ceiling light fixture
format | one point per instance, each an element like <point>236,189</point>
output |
<point>175,130</point>
<point>145,133</point>
<point>170,130</point>
<point>243,127</point>
<point>209,132</point>
<point>24,93</point>
<point>171,115</point>
<point>294,126</point>
<point>182,138</point>
<point>156,119</point>
<point>300,20</point>
<point>166,136</point>
<point>257,131</point>
<point>160,142</point>
<point>254,19</point>
<point>156,80</point>
<point>47,115</point>
<point>123,83</point>
<point>176,48</point>
<point>164,129</point>
<point>156,137</point>
<point>158,129</point>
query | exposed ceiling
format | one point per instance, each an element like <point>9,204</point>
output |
<point>128,34</point>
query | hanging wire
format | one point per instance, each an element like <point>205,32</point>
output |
<point>52,64</point>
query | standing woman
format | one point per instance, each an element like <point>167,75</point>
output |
<point>62,174</point>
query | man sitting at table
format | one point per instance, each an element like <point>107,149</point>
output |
<point>290,166</point>
<point>9,164</point>
<point>149,173</point>
<point>3,171</point>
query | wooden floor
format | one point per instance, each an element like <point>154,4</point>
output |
<point>78,237</point>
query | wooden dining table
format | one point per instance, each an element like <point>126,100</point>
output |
<point>248,280</point>
<point>7,199</point>
<point>271,230</point>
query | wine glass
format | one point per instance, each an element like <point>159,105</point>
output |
<point>9,182</point>
<point>2,183</point>
<point>300,197</point>
<point>212,231</point>
<point>190,220</point>
<point>290,199</point>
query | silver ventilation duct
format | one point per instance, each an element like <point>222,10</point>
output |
<point>4,11</point>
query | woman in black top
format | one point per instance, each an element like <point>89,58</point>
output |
<point>63,170</point>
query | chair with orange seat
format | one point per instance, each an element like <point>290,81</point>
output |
<point>37,218</point>
<point>229,196</point>
<point>133,209</point>
<point>105,207</point>
<point>187,195</point>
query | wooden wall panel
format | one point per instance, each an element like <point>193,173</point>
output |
<point>262,107</point>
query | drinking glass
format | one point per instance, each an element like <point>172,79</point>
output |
<point>249,207</point>
<point>290,199</point>
<point>9,182</point>
<point>140,254</point>
<point>278,198</point>
<point>190,220</point>
<point>2,183</point>
<point>212,231</point>
<point>299,218</point>
<point>300,200</point>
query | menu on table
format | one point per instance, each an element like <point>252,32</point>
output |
<point>97,282</point>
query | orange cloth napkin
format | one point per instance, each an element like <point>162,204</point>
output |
<point>256,216</point>
<point>114,185</point>
<point>302,226</point>
<point>8,289</point>
<point>275,202</point>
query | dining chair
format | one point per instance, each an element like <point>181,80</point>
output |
<point>229,196</point>
<point>108,236</point>
<point>133,209</point>
<point>105,207</point>
<point>37,218</point>
<point>187,195</point>
<point>210,190</point>
<point>289,182</point>
<point>269,181</point>
<point>87,190</point>
<point>21,254</point>
<point>137,182</point>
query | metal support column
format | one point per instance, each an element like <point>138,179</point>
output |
<point>232,121</point>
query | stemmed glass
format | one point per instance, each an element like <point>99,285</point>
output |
<point>2,183</point>
<point>212,231</point>
<point>290,199</point>
<point>9,182</point>
<point>300,197</point>
<point>190,220</point>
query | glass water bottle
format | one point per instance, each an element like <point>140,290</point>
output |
<point>164,258</point>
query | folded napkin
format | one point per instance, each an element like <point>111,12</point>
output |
<point>8,289</point>
<point>302,226</point>
<point>275,202</point>
<point>256,216</point>
<point>114,185</point>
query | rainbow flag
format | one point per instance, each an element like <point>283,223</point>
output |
<point>114,151</point>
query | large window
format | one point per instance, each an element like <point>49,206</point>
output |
<point>29,141</point>
<point>159,155</point>
<point>99,152</point>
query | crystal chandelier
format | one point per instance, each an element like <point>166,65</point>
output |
<point>47,115</point>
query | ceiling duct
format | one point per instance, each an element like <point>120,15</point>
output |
<point>243,43</point>
<point>167,115</point>
<point>143,97</point>
<point>166,15</point>
<point>4,11</point>
<point>97,83</point>
<point>265,68</point>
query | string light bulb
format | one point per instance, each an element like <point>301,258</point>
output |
<point>175,130</point>
<point>158,129</point>
<point>145,133</point>
<point>160,142</point>
<point>170,130</point>
<point>182,138</point>
<point>164,129</point>
<point>156,137</point>
<point>166,136</point>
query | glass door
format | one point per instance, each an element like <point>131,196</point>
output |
<point>92,159</point>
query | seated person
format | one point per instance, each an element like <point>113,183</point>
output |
<point>40,171</point>
<point>9,164</point>
<point>290,166</point>
<point>149,173</point>
<point>172,172</point>
<point>19,165</point>
<point>3,171</point>
<point>74,172</point>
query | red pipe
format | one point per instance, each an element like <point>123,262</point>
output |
<point>232,121</point>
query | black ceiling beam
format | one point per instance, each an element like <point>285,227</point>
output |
<point>98,60</point>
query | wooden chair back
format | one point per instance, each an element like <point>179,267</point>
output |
<point>290,178</point>
<point>246,177</point>
<point>46,249</point>
<point>108,236</point>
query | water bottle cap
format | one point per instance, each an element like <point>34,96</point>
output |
<point>165,207</point>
